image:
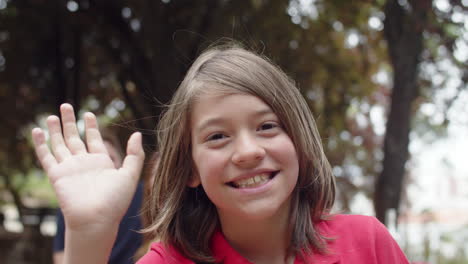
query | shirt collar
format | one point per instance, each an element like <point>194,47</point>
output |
<point>224,253</point>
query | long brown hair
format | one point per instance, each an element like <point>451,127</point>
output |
<point>184,217</point>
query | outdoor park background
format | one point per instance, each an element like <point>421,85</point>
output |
<point>385,79</point>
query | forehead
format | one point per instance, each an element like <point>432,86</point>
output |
<point>220,107</point>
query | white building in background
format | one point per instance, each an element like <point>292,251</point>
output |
<point>441,231</point>
<point>436,221</point>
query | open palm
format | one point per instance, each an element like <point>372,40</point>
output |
<point>90,190</point>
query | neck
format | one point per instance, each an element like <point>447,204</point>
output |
<point>260,240</point>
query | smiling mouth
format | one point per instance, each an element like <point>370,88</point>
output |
<point>253,181</point>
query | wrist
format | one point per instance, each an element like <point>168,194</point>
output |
<point>91,245</point>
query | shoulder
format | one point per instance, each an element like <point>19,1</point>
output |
<point>350,219</point>
<point>361,237</point>
<point>340,224</point>
<point>358,228</point>
<point>160,254</point>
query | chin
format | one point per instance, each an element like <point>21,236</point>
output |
<point>261,211</point>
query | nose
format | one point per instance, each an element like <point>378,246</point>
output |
<point>248,152</point>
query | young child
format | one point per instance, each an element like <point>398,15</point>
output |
<point>241,177</point>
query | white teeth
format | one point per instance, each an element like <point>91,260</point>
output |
<point>253,181</point>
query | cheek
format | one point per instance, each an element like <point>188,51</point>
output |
<point>286,154</point>
<point>209,164</point>
<point>294,163</point>
<point>287,151</point>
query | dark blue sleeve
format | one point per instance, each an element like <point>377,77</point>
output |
<point>128,239</point>
<point>59,239</point>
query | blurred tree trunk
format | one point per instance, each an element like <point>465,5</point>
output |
<point>59,95</point>
<point>403,28</point>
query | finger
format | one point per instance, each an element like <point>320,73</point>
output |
<point>133,162</point>
<point>57,143</point>
<point>43,153</point>
<point>93,137</point>
<point>70,131</point>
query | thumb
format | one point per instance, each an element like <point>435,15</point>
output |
<point>133,162</point>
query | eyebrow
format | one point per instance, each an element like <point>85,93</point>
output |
<point>211,121</point>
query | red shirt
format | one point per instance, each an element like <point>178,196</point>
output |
<point>357,239</point>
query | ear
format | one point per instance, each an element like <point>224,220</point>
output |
<point>194,181</point>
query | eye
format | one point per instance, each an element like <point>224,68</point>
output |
<point>214,137</point>
<point>268,125</point>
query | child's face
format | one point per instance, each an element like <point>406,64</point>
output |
<point>245,161</point>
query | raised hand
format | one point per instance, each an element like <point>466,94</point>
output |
<point>90,190</point>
